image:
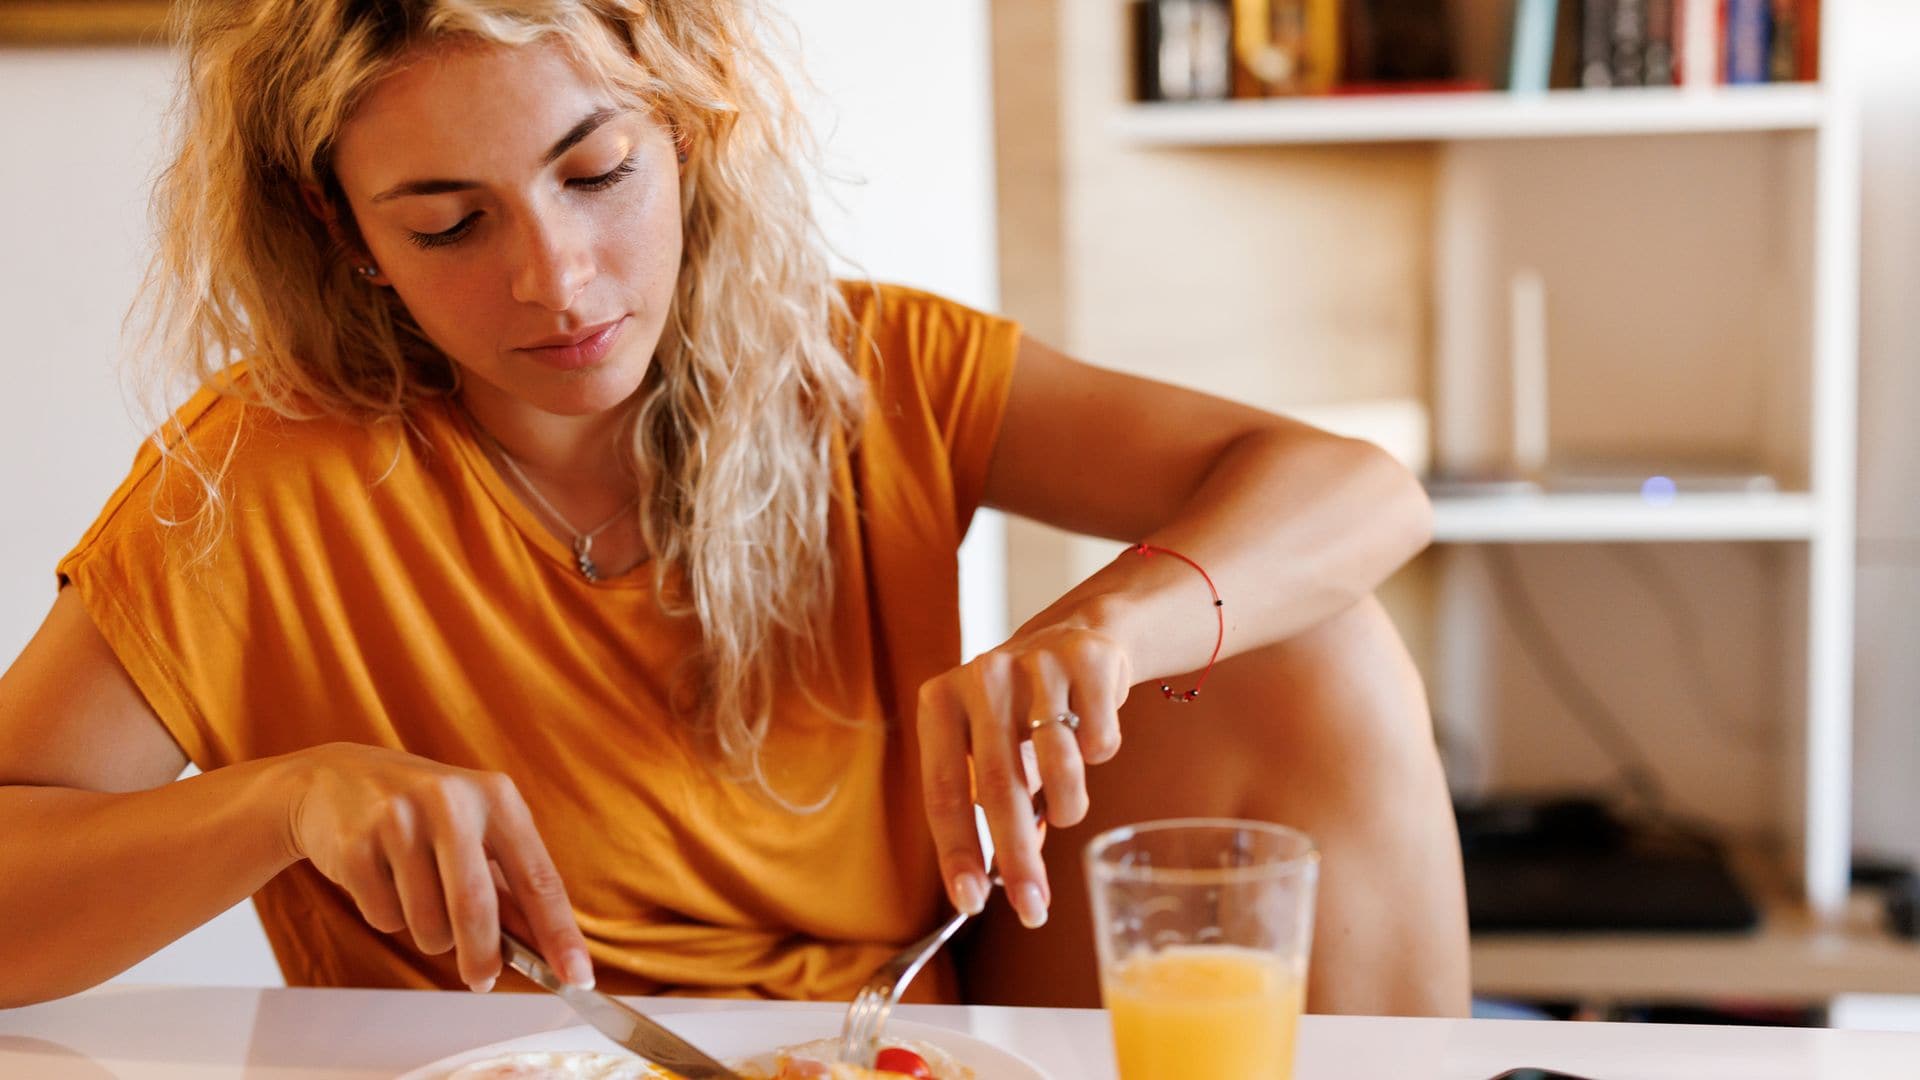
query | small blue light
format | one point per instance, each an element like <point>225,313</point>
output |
<point>1659,490</point>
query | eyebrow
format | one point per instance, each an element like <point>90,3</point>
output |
<point>587,126</point>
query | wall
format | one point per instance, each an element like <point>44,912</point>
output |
<point>906,132</point>
<point>1887,694</point>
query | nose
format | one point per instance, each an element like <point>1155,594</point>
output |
<point>555,261</point>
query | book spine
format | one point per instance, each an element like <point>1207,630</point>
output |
<point>1321,51</point>
<point>1660,34</point>
<point>1808,68</point>
<point>1699,43</point>
<point>1596,44</point>
<point>1212,50</point>
<point>1783,52</point>
<point>1630,42</point>
<point>1747,27</point>
<point>1533,34</point>
<point>1145,15</point>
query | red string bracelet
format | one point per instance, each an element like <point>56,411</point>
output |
<point>1219,613</point>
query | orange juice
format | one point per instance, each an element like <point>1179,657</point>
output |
<point>1196,1012</point>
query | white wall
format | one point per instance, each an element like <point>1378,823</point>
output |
<point>909,129</point>
<point>1887,699</point>
<point>908,134</point>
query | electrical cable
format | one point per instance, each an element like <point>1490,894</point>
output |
<point>1588,708</point>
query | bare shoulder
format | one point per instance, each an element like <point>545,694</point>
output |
<point>70,715</point>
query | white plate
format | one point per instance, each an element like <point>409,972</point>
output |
<point>738,1033</point>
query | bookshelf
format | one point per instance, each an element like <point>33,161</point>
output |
<point>1699,249</point>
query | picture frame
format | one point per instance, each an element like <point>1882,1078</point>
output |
<point>84,22</point>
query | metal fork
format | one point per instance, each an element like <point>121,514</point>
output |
<point>867,1015</point>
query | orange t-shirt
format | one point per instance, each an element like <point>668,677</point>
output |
<point>390,589</point>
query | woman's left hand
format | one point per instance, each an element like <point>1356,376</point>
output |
<point>1059,687</point>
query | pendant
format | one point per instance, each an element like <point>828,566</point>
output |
<point>582,547</point>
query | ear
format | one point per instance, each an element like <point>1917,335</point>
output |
<point>350,248</point>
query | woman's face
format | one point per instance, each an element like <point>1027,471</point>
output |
<point>530,224</point>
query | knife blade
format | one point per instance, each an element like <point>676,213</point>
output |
<point>617,1020</point>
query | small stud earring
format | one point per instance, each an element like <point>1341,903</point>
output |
<point>367,270</point>
<point>683,157</point>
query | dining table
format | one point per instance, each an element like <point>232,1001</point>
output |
<point>144,1032</point>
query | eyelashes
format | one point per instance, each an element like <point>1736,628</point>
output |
<point>606,179</point>
<point>445,236</point>
<point>465,225</point>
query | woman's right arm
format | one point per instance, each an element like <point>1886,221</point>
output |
<point>107,858</point>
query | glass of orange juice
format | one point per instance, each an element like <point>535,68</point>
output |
<point>1203,927</point>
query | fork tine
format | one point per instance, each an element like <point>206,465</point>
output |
<point>858,1033</point>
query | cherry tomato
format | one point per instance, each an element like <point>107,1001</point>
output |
<point>905,1062</point>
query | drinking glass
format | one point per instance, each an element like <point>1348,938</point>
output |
<point>1203,927</point>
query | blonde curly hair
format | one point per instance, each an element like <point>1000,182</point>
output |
<point>749,390</point>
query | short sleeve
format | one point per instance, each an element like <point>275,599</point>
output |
<point>962,362</point>
<point>114,588</point>
<point>158,607</point>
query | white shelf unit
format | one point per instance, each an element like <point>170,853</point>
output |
<point>1434,117</point>
<point>1567,519</point>
<point>1791,153</point>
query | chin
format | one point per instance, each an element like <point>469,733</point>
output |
<point>584,392</point>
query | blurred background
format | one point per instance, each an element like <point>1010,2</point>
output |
<point>1631,283</point>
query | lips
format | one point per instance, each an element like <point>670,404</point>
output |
<point>576,349</point>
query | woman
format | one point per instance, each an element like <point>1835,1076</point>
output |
<point>551,540</point>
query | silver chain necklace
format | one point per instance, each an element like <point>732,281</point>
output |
<point>582,540</point>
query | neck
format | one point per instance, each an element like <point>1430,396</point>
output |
<point>576,453</point>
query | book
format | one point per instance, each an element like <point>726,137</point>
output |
<point>1391,42</point>
<point>1783,53</point>
<point>1533,35</point>
<point>1659,60</point>
<point>1697,43</point>
<point>1749,23</point>
<point>1629,42</point>
<point>1808,67</point>
<point>1596,44</point>
<point>1180,50</point>
<point>1322,48</point>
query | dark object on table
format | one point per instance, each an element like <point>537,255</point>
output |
<point>1562,865</point>
<point>1899,889</point>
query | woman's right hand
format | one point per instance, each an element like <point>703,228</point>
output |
<point>435,850</point>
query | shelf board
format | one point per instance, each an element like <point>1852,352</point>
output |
<point>1551,518</point>
<point>1469,116</point>
<point>1792,958</point>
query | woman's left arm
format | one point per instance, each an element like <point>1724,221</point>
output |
<point>1292,524</point>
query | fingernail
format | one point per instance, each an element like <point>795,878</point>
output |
<point>971,893</point>
<point>1030,906</point>
<point>482,986</point>
<point>579,970</point>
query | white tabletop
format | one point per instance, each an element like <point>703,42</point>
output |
<point>159,1033</point>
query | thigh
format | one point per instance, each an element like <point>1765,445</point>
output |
<point>1327,732</point>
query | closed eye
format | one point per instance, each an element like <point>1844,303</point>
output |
<point>606,179</point>
<point>444,236</point>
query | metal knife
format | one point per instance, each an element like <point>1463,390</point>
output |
<point>617,1021</point>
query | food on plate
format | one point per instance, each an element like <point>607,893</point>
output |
<point>909,1058</point>
<point>898,1058</point>
<point>561,1065</point>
